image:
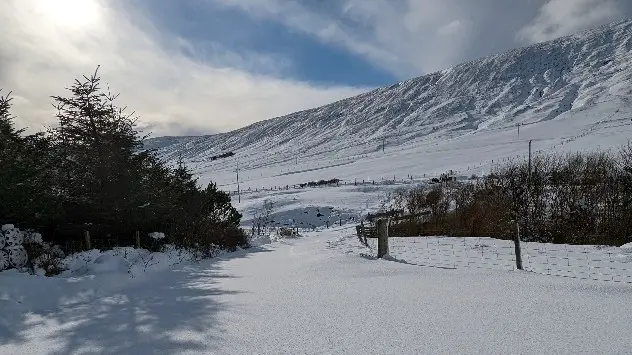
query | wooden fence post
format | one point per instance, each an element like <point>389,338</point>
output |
<point>88,242</point>
<point>382,237</point>
<point>517,247</point>
<point>137,240</point>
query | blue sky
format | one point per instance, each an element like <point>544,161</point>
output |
<point>306,58</point>
<point>204,66</point>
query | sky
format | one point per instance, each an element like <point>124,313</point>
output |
<point>189,67</point>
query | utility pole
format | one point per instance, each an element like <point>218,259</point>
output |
<point>529,159</point>
<point>238,192</point>
<point>528,216</point>
<point>518,130</point>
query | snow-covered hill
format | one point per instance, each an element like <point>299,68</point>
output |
<point>571,93</point>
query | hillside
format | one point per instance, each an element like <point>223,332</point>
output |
<point>568,88</point>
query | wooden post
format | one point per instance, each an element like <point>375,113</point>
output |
<point>382,237</point>
<point>517,248</point>
<point>88,242</point>
<point>137,239</point>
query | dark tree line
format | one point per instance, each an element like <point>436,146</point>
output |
<point>90,173</point>
<point>222,156</point>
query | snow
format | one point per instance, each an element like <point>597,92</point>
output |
<point>157,235</point>
<point>574,261</point>
<point>109,263</point>
<point>17,256</point>
<point>12,252</point>
<point>7,227</point>
<point>127,261</point>
<point>319,294</point>
<point>627,246</point>
<point>325,293</point>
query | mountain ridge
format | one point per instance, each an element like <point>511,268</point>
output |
<point>525,85</point>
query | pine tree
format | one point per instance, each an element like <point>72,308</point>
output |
<point>26,192</point>
<point>8,133</point>
<point>98,145</point>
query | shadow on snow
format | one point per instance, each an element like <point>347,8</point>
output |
<point>169,312</point>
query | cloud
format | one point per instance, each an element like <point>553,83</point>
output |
<point>454,28</point>
<point>414,37</point>
<point>406,37</point>
<point>388,33</point>
<point>176,87</point>
<point>558,18</point>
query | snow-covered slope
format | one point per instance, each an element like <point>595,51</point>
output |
<point>577,90</point>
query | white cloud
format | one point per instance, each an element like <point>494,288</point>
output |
<point>558,18</point>
<point>454,28</point>
<point>43,48</point>
<point>414,37</point>
<point>405,37</point>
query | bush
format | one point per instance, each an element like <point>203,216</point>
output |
<point>286,232</point>
<point>580,198</point>
<point>46,257</point>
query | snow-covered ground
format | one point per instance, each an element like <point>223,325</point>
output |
<point>322,293</point>
<point>613,264</point>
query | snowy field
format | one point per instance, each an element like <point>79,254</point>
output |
<point>613,264</point>
<point>319,294</point>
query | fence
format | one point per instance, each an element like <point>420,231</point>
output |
<point>89,243</point>
<point>410,179</point>
<point>591,262</point>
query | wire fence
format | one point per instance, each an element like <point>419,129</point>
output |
<point>591,262</point>
<point>356,182</point>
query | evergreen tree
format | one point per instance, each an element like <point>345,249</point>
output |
<point>98,145</point>
<point>91,173</point>
<point>26,191</point>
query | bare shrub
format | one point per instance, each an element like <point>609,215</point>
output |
<point>577,198</point>
<point>286,232</point>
